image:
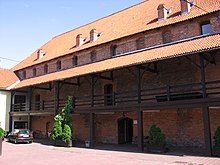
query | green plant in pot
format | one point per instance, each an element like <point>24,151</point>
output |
<point>156,140</point>
<point>216,148</point>
<point>2,135</point>
<point>62,131</point>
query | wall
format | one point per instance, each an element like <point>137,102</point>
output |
<point>5,100</point>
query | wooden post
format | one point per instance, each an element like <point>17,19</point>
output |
<point>30,106</point>
<point>92,116</point>
<point>56,97</point>
<point>207,132</point>
<point>203,77</point>
<point>139,113</point>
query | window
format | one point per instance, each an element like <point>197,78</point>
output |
<point>167,36</point>
<point>93,56</point>
<point>206,28</point>
<point>140,43</point>
<point>46,69</point>
<point>113,50</point>
<point>75,60</point>
<point>34,72</point>
<point>24,74</point>
<point>58,65</point>
<point>108,94</point>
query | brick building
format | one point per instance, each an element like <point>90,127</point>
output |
<point>155,62</point>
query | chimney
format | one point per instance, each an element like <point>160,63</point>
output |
<point>185,6</point>
<point>79,40</point>
<point>93,35</point>
<point>162,12</point>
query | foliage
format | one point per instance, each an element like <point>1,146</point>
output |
<point>63,123</point>
<point>57,130</point>
<point>156,137</point>
<point>2,133</point>
<point>217,137</point>
<point>67,133</point>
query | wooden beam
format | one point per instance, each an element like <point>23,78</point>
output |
<point>104,77</point>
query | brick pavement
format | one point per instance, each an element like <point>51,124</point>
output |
<point>39,154</point>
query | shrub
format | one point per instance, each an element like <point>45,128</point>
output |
<point>156,137</point>
<point>217,137</point>
<point>67,133</point>
<point>57,130</point>
<point>63,123</point>
<point>2,133</point>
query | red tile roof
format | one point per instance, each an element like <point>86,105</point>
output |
<point>7,78</point>
<point>132,20</point>
<point>159,53</point>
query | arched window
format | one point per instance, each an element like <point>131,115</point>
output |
<point>58,65</point>
<point>34,72</point>
<point>140,43</point>
<point>75,60</point>
<point>167,36</point>
<point>93,56</point>
<point>113,50</point>
<point>46,69</point>
<point>24,74</point>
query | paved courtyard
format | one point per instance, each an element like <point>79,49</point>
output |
<point>39,154</point>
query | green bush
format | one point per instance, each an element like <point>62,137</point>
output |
<point>67,133</point>
<point>217,137</point>
<point>63,123</point>
<point>57,130</point>
<point>2,133</point>
<point>156,137</point>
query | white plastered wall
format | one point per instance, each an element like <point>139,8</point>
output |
<point>5,101</point>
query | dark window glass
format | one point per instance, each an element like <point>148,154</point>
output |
<point>58,65</point>
<point>93,56</point>
<point>34,72</point>
<point>45,69</point>
<point>75,60</point>
<point>113,50</point>
<point>206,28</point>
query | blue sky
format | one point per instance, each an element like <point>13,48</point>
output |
<point>25,25</point>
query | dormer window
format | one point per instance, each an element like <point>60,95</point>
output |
<point>40,53</point>
<point>34,72</point>
<point>113,50</point>
<point>75,60</point>
<point>206,28</point>
<point>93,56</point>
<point>58,65</point>
<point>46,69</point>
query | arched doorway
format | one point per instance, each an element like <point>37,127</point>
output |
<point>125,130</point>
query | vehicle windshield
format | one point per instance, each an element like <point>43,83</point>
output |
<point>24,132</point>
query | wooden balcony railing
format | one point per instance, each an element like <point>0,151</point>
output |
<point>151,95</point>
